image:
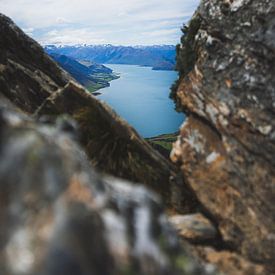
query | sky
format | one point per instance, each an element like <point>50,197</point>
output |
<point>118,22</point>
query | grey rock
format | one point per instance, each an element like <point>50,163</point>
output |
<point>226,147</point>
<point>195,228</point>
<point>59,217</point>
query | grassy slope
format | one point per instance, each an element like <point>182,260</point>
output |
<point>102,81</point>
<point>163,143</point>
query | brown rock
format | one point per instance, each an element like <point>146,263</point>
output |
<point>194,228</point>
<point>226,147</point>
<point>229,262</point>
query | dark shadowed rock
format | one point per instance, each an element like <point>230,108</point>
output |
<point>226,148</point>
<point>27,75</point>
<point>59,217</point>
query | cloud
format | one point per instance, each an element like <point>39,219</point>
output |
<point>163,32</point>
<point>72,37</point>
<point>28,31</point>
<point>113,21</point>
<point>62,20</point>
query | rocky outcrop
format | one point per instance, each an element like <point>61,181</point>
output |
<point>226,146</point>
<point>28,75</point>
<point>59,217</point>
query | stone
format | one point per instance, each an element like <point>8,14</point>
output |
<point>28,75</point>
<point>229,263</point>
<point>226,148</point>
<point>58,216</point>
<point>195,228</point>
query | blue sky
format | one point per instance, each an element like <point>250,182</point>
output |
<point>119,22</point>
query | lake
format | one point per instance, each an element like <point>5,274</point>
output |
<point>141,96</point>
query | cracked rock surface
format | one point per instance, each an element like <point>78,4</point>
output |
<point>226,147</point>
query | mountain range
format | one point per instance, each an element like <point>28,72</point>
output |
<point>159,57</point>
<point>91,75</point>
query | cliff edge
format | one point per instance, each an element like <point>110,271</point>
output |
<point>226,146</point>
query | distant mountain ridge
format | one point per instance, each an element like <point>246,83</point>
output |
<point>91,75</point>
<point>160,57</point>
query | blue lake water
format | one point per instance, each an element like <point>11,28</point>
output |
<point>141,96</point>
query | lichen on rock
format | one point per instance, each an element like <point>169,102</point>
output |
<point>226,146</point>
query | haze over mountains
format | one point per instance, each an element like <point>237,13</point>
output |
<point>160,57</point>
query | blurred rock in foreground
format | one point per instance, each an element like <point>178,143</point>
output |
<point>59,217</point>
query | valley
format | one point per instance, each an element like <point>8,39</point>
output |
<point>89,74</point>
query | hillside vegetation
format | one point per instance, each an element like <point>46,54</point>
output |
<point>91,75</point>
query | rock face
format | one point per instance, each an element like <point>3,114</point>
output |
<point>59,217</point>
<point>28,75</point>
<point>226,146</point>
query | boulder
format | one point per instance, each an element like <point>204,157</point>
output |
<point>226,146</point>
<point>195,228</point>
<point>58,216</point>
